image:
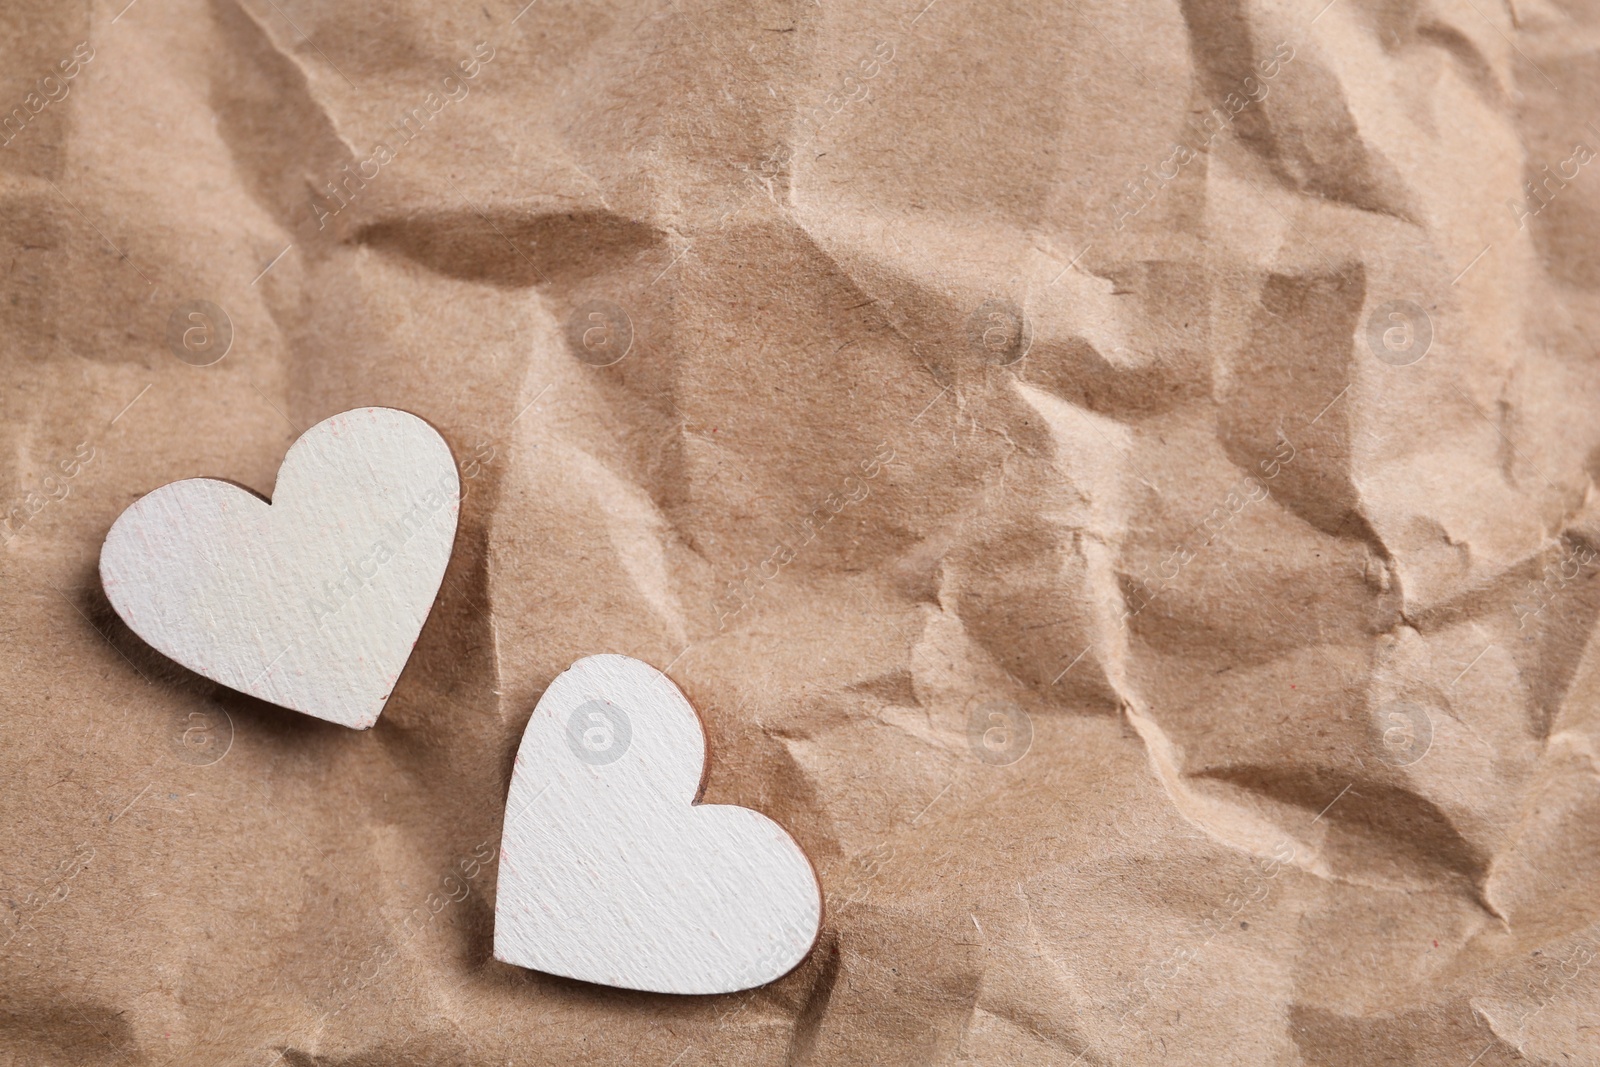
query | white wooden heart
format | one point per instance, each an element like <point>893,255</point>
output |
<point>610,873</point>
<point>315,600</point>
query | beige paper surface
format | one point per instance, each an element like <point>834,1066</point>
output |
<point>1115,479</point>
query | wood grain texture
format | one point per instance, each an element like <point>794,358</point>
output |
<point>315,600</point>
<point>610,873</point>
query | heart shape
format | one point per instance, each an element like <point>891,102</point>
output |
<point>315,600</point>
<point>609,871</point>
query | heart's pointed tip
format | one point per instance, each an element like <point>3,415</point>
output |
<point>370,719</point>
<point>337,716</point>
<point>507,954</point>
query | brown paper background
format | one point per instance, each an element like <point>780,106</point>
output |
<point>1219,846</point>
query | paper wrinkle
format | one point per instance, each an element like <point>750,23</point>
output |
<point>637,531</point>
<point>276,154</point>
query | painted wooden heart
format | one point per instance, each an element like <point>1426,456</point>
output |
<point>609,871</point>
<point>315,600</point>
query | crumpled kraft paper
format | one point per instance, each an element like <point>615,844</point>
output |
<point>1115,478</point>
